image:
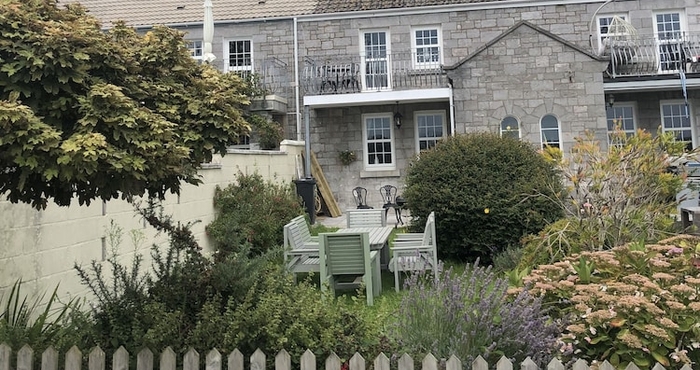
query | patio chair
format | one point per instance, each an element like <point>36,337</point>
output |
<point>347,262</point>
<point>360,195</point>
<point>411,254</point>
<point>300,248</point>
<point>365,218</point>
<point>389,197</point>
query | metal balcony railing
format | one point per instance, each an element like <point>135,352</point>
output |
<point>272,76</point>
<point>377,72</point>
<point>650,55</point>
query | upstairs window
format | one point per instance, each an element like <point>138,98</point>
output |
<point>606,30</point>
<point>510,127</point>
<point>549,129</point>
<point>196,49</point>
<point>239,55</point>
<point>426,47</point>
<point>430,128</point>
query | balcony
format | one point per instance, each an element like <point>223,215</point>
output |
<point>653,55</point>
<point>379,72</point>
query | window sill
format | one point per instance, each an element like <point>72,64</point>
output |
<point>381,173</point>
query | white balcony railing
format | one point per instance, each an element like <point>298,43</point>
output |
<point>650,55</point>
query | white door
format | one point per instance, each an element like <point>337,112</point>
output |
<point>669,37</point>
<point>375,61</point>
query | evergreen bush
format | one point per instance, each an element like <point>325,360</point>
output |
<point>487,193</point>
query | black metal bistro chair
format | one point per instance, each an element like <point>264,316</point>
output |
<point>390,201</point>
<point>360,195</point>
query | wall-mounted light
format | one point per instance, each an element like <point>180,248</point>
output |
<point>397,116</point>
<point>611,100</point>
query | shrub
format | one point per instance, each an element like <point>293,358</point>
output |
<point>635,303</point>
<point>468,315</point>
<point>268,132</point>
<point>487,192</point>
<point>619,195</point>
<point>252,211</point>
<point>279,314</point>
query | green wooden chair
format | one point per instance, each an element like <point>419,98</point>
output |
<point>347,262</point>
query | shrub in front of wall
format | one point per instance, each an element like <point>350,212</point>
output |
<point>634,303</point>
<point>252,211</point>
<point>469,315</point>
<point>487,193</point>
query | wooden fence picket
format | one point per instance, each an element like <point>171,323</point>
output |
<point>235,360</point>
<point>97,359</point>
<point>283,361</point>
<point>168,360</point>
<point>213,360</point>
<point>49,359</point>
<point>144,360</point>
<point>191,360</point>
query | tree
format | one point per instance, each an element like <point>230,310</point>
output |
<point>98,115</point>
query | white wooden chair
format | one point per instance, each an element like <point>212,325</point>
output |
<point>365,218</point>
<point>347,262</point>
<point>413,254</point>
<point>300,248</point>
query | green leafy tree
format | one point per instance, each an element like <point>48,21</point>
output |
<point>487,192</point>
<point>95,115</point>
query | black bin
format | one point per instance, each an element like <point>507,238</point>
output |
<point>306,189</point>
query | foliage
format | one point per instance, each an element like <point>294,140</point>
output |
<point>268,132</point>
<point>252,211</point>
<point>616,196</point>
<point>279,314</point>
<point>95,115</point>
<point>346,157</point>
<point>486,191</point>
<point>634,302</point>
<point>33,322</point>
<point>161,309</point>
<point>468,315</point>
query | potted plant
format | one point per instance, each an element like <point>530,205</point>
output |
<point>347,157</point>
<point>268,132</point>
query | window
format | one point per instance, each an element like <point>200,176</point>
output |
<point>430,127</point>
<point>239,54</point>
<point>620,117</point>
<point>675,117</point>
<point>375,64</point>
<point>426,47</point>
<point>605,31</point>
<point>196,49</point>
<point>549,127</point>
<point>669,35</point>
<point>377,136</point>
<point>510,127</point>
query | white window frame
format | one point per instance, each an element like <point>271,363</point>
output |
<point>365,59</point>
<point>603,36</point>
<point>691,127</point>
<point>608,120</point>
<point>517,122</point>
<point>669,42</point>
<point>195,46</point>
<point>227,56</point>
<point>415,47</point>
<point>543,142</point>
<point>365,142</point>
<point>426,113</point>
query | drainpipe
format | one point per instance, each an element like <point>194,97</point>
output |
<point>452,109</point>
<point>307,143</point>
<point>296,80</point>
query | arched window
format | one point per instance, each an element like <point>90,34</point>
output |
<point>510,127</point>
<point>549,129</point>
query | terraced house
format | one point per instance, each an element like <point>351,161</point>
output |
<point>388,78</point>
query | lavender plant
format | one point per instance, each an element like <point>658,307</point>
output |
<point>469,315</point>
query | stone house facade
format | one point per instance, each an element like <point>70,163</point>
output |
<point>544,70</point>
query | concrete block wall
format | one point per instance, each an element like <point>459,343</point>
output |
<point>41,247</point>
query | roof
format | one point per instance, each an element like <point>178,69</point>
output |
<point>536,29</point>
<point>171,12</point>
<point>142,13</point>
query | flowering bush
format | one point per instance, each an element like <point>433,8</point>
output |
<point>469,315</point>
<point>635,303</point>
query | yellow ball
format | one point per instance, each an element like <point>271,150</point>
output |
<point>486,210</point>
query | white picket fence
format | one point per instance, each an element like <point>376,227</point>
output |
<point>258,361</point>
